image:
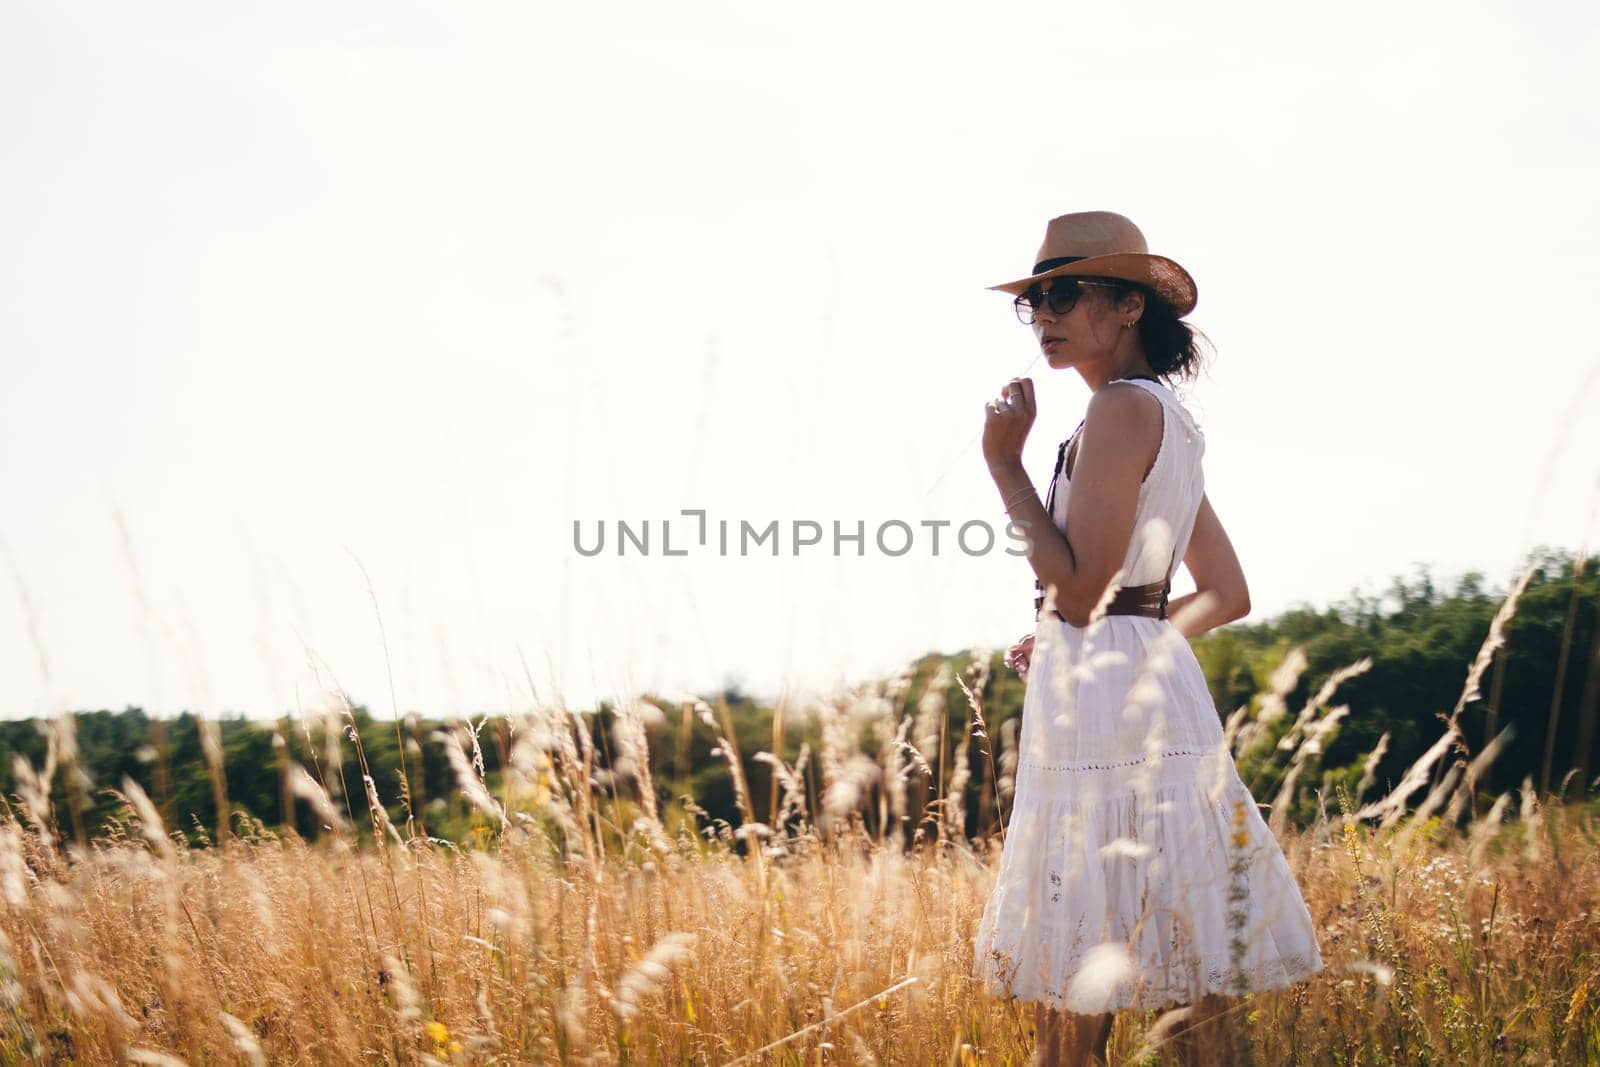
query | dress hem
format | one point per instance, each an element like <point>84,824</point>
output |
<point>1298,969</point>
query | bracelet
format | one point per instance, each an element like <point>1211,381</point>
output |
<point>1019,494</point>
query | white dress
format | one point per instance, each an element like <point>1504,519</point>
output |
<point>1137,871</point>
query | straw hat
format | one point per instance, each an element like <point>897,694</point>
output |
<point>1103,244</point>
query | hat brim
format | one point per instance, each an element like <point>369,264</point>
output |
<point>1163,276</point>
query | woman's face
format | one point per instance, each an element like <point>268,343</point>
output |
<point>1087,332</point>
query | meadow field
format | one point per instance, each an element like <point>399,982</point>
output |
<point>585,921</point>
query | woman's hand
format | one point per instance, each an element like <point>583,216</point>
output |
<point>1020,655</point>
<point>1006,422</point>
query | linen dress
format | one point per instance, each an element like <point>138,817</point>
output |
<point>1131,837</point>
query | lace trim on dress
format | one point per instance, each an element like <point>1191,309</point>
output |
<point>1093,781</point>
<point>1182,982</point>
<point>1108,765</point>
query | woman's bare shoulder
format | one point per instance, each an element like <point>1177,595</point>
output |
<point>1126,421</point>
<point>1123,406</point>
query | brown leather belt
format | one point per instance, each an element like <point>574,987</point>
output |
<point>1148,600</point>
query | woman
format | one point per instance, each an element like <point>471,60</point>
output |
<point>1137,872</point>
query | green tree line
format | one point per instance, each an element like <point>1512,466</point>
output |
<point>1543,685</point>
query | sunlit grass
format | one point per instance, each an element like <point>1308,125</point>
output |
<point>591,925</point>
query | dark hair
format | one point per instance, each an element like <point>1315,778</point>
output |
<point>1170,344</point>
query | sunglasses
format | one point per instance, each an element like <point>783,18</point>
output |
<point>1062,297</point>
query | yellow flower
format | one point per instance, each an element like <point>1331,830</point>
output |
<point>441,1037</point>
<point>1241,832</point>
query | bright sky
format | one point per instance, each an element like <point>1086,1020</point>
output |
<point>295,296</point>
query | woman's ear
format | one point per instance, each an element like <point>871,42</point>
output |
<point>1133,303</point>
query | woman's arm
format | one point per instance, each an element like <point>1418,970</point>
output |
<point>1121,436</point>
<point>1220,595</point>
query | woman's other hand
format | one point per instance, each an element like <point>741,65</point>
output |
<point>1019,655</point>
<point>1006,422</point>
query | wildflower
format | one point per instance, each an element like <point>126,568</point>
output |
<point>1241,834</point>
<point>1238,897</point>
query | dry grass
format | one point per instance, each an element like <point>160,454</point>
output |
<point>593,929</point>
